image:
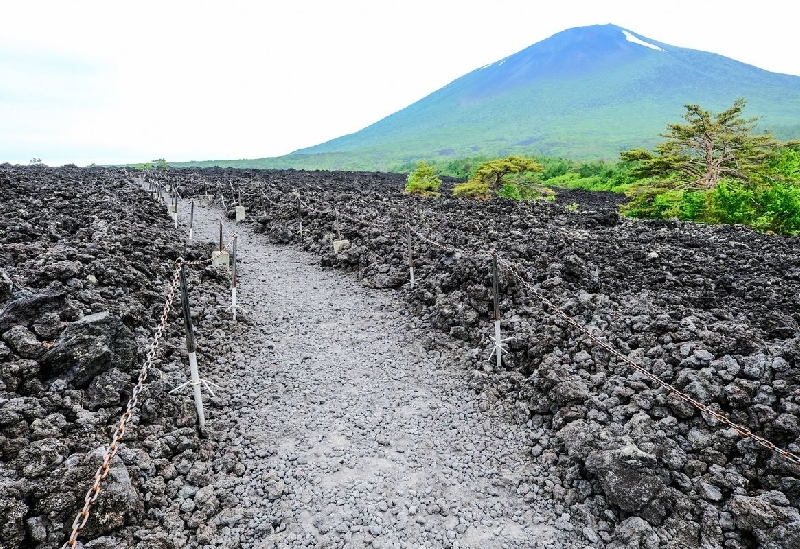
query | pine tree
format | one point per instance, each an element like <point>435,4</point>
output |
<point>708,148</point>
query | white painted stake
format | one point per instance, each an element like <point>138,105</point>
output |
<point>498,347</point>
<point>198,396</point>
<point>191,221</point>
<point>233,280</point>
<point>498,341</point>
<point>233,301</point>
<point>299,215</point>
<point>194,379</point>
<point>410,258</point>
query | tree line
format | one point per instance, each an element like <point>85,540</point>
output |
<point>709,168</point>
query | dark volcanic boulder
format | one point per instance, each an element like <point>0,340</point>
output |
<point>118,504</point>
<point>88,347</point>
<point>5,285</point>
<point>629,476</point>
<point>634,532</point>
<point>12,527</point>
<point>26,307</point>
<point>769,517</point>
<point>23,342</point>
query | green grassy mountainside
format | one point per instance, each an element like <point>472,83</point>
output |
<point>584,93</point>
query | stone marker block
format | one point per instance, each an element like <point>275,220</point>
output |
<point>340,245</point>
<point>207,200</point>
<point>221,259</point>
<point>239,213</point>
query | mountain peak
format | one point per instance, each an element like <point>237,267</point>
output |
<point>583,92</point>
<point>577,52</point>
<point>630,37</point>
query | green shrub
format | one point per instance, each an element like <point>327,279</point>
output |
<point>773,207</point>
<point>423,180</point>
<point>473,189</point>
<point>509,190</point>
<point>783,206</point>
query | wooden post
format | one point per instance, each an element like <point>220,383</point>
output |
<point>338,233</point>
<point>220,235</point>
<point>192,350</point>
<point>175,207</point>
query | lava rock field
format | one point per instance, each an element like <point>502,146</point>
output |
<point>714,311</point>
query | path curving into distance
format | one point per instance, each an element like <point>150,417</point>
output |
<point>341,430</point>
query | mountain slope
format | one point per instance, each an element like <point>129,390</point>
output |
<point>586,92</point>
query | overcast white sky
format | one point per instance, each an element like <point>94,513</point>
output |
<point>113,82</point>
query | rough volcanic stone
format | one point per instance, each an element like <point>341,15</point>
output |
<point>12,526</point>
<point>119,502</point>
<point>572,390</point>
<point>578,437</point>
<point>25,307</point>
<point>49,326</point>
<point>634,532</point>
<point>106,389</point>
<point>24,342</point>
<point>629,476</point>
<point>89,346</point>
<point>6,286</point>
<point>15,373</point>
<point>763,512</point>
<point>42,456</point>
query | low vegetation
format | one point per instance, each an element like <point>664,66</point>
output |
<point>424,180</point>
<point>711,168</point>
<point>715,169</point>
<point>513,177</point>
<point>156,164</point>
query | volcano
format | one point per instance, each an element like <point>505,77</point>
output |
<point>584,93</point>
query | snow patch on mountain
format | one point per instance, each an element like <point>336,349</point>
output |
<point>631,38</point>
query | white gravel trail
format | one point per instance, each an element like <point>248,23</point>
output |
<point>346,432</point>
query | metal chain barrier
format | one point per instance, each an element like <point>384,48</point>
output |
<point>743,431</point>
<point>510,268</point>
<point>111,451</point>
<point>102,472</point>
<point>704,408</point>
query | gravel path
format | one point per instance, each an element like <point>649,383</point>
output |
<point>342,430</point>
